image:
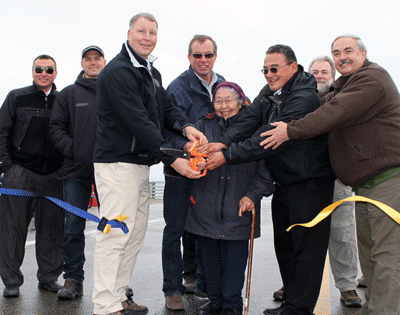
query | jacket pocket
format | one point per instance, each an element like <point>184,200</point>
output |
<point>30,130</point>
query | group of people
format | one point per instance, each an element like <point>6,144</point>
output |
<point>305,138</point>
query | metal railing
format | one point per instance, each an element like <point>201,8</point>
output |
<point>157,190</point>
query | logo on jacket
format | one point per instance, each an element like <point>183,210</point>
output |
<point>156,83</point>
<point>81,104</point>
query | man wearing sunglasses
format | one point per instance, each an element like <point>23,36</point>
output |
<point>301,170</point>
<point>73,131</point>
<point>191,93</point>
<point>343,256</point>
<point>30,162</point>
<point>362,116</point>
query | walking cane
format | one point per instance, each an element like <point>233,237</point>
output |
<point>250,261</point>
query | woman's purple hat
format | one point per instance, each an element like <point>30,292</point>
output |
<point>233,86</point>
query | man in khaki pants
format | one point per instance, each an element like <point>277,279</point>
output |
<point>132,112</point>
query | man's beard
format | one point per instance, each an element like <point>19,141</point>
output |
<point>323,88</point>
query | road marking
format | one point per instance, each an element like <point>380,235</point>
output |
<point>87,233</point>
<point>322,307</point>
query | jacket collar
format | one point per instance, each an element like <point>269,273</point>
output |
<point>88,83</point>
<point>39,91</point>
<point>196,85</point>
<point>136,60</point>
<point>341,81</point>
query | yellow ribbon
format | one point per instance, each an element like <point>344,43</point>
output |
<point>119,218</point>
<point>329,209</point>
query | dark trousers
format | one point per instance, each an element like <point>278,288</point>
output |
<point>189,255</point>
<point>16,214</point>
<point>301,252</point>
<point>77,193</point>
<point>176,202</point>
<point>224,263</point>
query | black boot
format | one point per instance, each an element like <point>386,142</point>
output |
<point>209,309</point>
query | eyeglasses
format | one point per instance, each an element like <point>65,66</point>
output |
<point>208,56</point>
<point>227,102</point>
<point>39,69</point>
<point>273,69</point>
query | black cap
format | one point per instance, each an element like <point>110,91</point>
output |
<point>93,47</point>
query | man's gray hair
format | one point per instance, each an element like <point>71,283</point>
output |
<point>324,58</point>
<point>201,39</point>
<point>360,43</point>
<point>145,15</point>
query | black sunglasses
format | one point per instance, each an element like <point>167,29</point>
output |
<point>208,56</point>
<point>39,69</point>
<point>273,69</point>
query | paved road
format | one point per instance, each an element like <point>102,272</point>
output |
<point>147,278</point>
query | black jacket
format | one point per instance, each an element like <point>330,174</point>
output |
<point>73,127</point>
<point>295,160</point>
<point>24,131</point>
<point>132,112</point>
<point>214,209</point>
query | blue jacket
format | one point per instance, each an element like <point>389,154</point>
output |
<point>192,99</point>
<point>215,197</point>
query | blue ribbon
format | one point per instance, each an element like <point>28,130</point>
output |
<point>68,207</point>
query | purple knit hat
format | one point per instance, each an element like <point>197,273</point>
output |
<point>233,86</point>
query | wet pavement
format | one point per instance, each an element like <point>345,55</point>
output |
<point>147,278</point>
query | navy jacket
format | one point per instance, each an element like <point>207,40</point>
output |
<point>24,131</point>
<point>215,197</point>
<point>73,127</point>
<point>192,99</point>
<point>132,112</point>
<point>295,160</point>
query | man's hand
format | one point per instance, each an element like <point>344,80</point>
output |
<point>246,204</point>
<point>199,148</point>
<point>215,146</point>
<point>275,137</point>
<point>182,166</point>
<point>215,160</point>
<point>195,135</point>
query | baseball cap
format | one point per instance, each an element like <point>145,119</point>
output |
<point>92,47</point>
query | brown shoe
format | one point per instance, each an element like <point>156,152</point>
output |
<point>174,302</point>
<point>361,282</point>
<point>350,298</point>
<point>71,290</point>
<point>278,295</point>
<point>132,308</point>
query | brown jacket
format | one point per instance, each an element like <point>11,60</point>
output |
<point>362,117</point>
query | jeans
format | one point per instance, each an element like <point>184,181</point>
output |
<point>176,199</point>
<point>76,192</point>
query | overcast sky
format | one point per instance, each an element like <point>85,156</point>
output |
<point>243,31</point>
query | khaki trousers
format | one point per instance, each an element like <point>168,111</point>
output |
<point>123,188</point>
<point>379,248</point>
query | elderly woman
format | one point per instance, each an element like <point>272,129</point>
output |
<point>223,236</point>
